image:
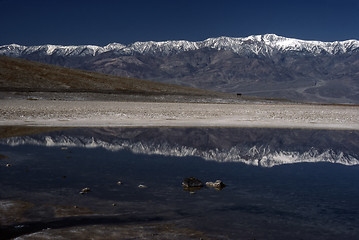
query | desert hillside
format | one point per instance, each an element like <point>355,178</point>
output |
<point>19,75</point>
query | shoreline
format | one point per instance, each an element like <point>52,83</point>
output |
<point>59,113</point>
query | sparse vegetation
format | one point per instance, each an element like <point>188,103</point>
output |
<point>19,75</point>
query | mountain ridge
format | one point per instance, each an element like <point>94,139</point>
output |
<point>266,66</point>
<point>256,44</point>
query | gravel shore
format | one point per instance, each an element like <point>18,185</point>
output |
<point>58,113</point>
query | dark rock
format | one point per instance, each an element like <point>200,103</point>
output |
<point>218,184</point>
<point>192,183</point>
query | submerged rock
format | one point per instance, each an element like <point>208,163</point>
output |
<point>85,190</point>
<point>218,184</point>
<point>192,184</point>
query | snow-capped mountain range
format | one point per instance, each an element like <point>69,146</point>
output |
<point>257,44</point>
<point>261,65</point>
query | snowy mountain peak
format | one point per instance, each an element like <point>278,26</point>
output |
<point>265,45</point>
<point>165,47</point>
<point>113,46</point>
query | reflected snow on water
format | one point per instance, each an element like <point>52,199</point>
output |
<point>266,196</point>
<point>260,147</point>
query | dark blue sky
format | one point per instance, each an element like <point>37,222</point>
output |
<point>66,22</point>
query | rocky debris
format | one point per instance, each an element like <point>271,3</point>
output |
<point>85,190</point>
<point>192,184</point>
<point>142,186</point>
<point>8,165</point>
<point>119,183</point>
<point>218,184</point>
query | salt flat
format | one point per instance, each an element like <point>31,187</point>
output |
<point>56,113</point>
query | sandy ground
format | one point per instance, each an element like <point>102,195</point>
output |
<point>116,114</point>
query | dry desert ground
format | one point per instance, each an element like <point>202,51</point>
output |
<point>57,113</point>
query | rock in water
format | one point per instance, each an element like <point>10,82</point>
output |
<point>85,190</point>
<point>192,183</point>
<point>218,184</point>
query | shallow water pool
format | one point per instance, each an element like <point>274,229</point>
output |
<point>280,184</point>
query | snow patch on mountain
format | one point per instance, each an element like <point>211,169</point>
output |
<point>266,45</point>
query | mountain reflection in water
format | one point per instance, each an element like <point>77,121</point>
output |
<point>43,177</point>
<point>259,147</point>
